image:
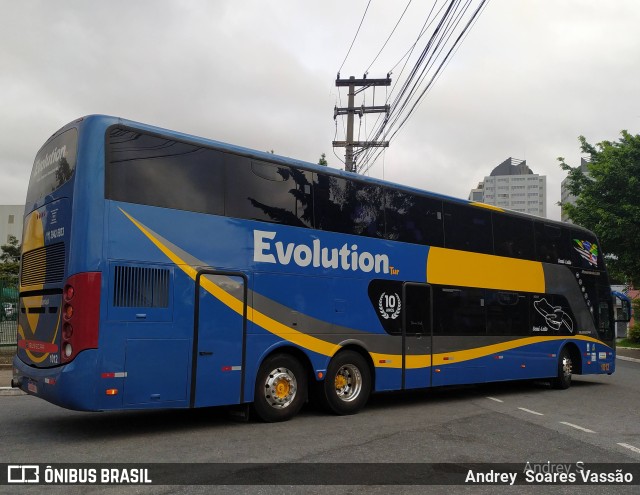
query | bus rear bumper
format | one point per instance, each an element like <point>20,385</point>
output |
<point>71,386</point>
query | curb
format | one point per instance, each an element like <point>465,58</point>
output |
<point>8,391</point>
<point>625,358</point>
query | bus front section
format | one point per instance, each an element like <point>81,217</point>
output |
<point>58,313</point>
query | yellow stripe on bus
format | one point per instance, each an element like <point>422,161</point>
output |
<point>480,352</point>
<point>466,269</point>
<point>485,205</point>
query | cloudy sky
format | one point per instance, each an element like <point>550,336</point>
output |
<point>531,76</point>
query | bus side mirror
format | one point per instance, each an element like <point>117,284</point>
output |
<point>624,313</point>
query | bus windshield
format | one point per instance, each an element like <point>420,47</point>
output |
<point>54,165</point>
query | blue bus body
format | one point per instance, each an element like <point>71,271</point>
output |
<point>173,309</point>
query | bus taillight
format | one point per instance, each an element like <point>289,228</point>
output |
<point>68,311</point>
<point>69,292</point>
<point>67,331</point>
<point>81,312</point>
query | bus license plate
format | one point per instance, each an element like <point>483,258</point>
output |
<point>32,388</point>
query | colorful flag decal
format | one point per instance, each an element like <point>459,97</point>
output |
<point>587,250</point>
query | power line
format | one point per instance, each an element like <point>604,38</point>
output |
<point>378,130</point>
<point>387,41</point>
<point>429,65</point>
<point>443,64</point>
<point>440,48</point>
<point>423,30</point>
<point>416,104</point>
<point>407,55</point>
<point>354,38</point>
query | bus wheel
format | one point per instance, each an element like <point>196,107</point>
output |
<point>348,383</point>
<point>281,388</point>
<point>565,365</point>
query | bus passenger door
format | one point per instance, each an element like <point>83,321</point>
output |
<point>219,338</point>
<point>416,335</point>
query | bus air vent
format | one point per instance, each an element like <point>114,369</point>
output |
<point>141,287</point>
<point>44,265</point>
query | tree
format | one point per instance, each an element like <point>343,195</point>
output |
<point>10,258</point>
<point>608,201</point>
<point>634,330</point>
<point>323,160</point>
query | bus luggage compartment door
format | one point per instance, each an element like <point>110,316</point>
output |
<point>219,338</point>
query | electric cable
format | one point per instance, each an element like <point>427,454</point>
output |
<point>354,38</point>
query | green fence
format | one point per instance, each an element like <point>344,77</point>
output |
<point>8,311</point>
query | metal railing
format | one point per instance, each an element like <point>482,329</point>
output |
<point>8,311</point>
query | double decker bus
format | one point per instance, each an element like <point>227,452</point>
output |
<point>163,270</point>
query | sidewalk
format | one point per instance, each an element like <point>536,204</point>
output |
<point>6,374</point>
<point>627,354</point>
<point>5,377</point>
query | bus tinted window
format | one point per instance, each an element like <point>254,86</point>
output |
<point>552,246</point>
<point>467,228</point>
<point>604,323</point>
<point>349,207</point>
<point>263,191</point>
<point>156,171</point>
<point>513,237</point>
<point>459,311</point>
<point>54,165</point>
<point>412,218</point>
<point>417,318</point>
<point>507,313</point>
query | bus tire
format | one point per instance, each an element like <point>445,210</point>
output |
<point>281,388</point>
<point>347,385</point>
<point>565,365</point>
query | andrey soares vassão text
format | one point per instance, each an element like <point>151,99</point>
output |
<point>551,473</point>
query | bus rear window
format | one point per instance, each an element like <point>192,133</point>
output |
<point>53,166</point>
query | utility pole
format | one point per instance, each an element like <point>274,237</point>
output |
<point>350,110</point>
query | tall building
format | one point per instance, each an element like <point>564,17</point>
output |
<point>514,186</point>
<point>11,222</point>
<point>565,195</point>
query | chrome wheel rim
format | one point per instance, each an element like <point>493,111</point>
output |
<point>566,366</point>
<point>348,383</point>
<point>280,388</point>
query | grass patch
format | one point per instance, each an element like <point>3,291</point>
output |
<point>628,343</point>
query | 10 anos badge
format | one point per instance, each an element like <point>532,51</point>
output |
<point>389,305</point>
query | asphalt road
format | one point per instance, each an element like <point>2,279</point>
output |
<point>596,420</point>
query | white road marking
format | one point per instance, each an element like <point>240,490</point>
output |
<point>587,430</point>
<point>630,447</point>
<point>493,398</point>
<point>530,411</point>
